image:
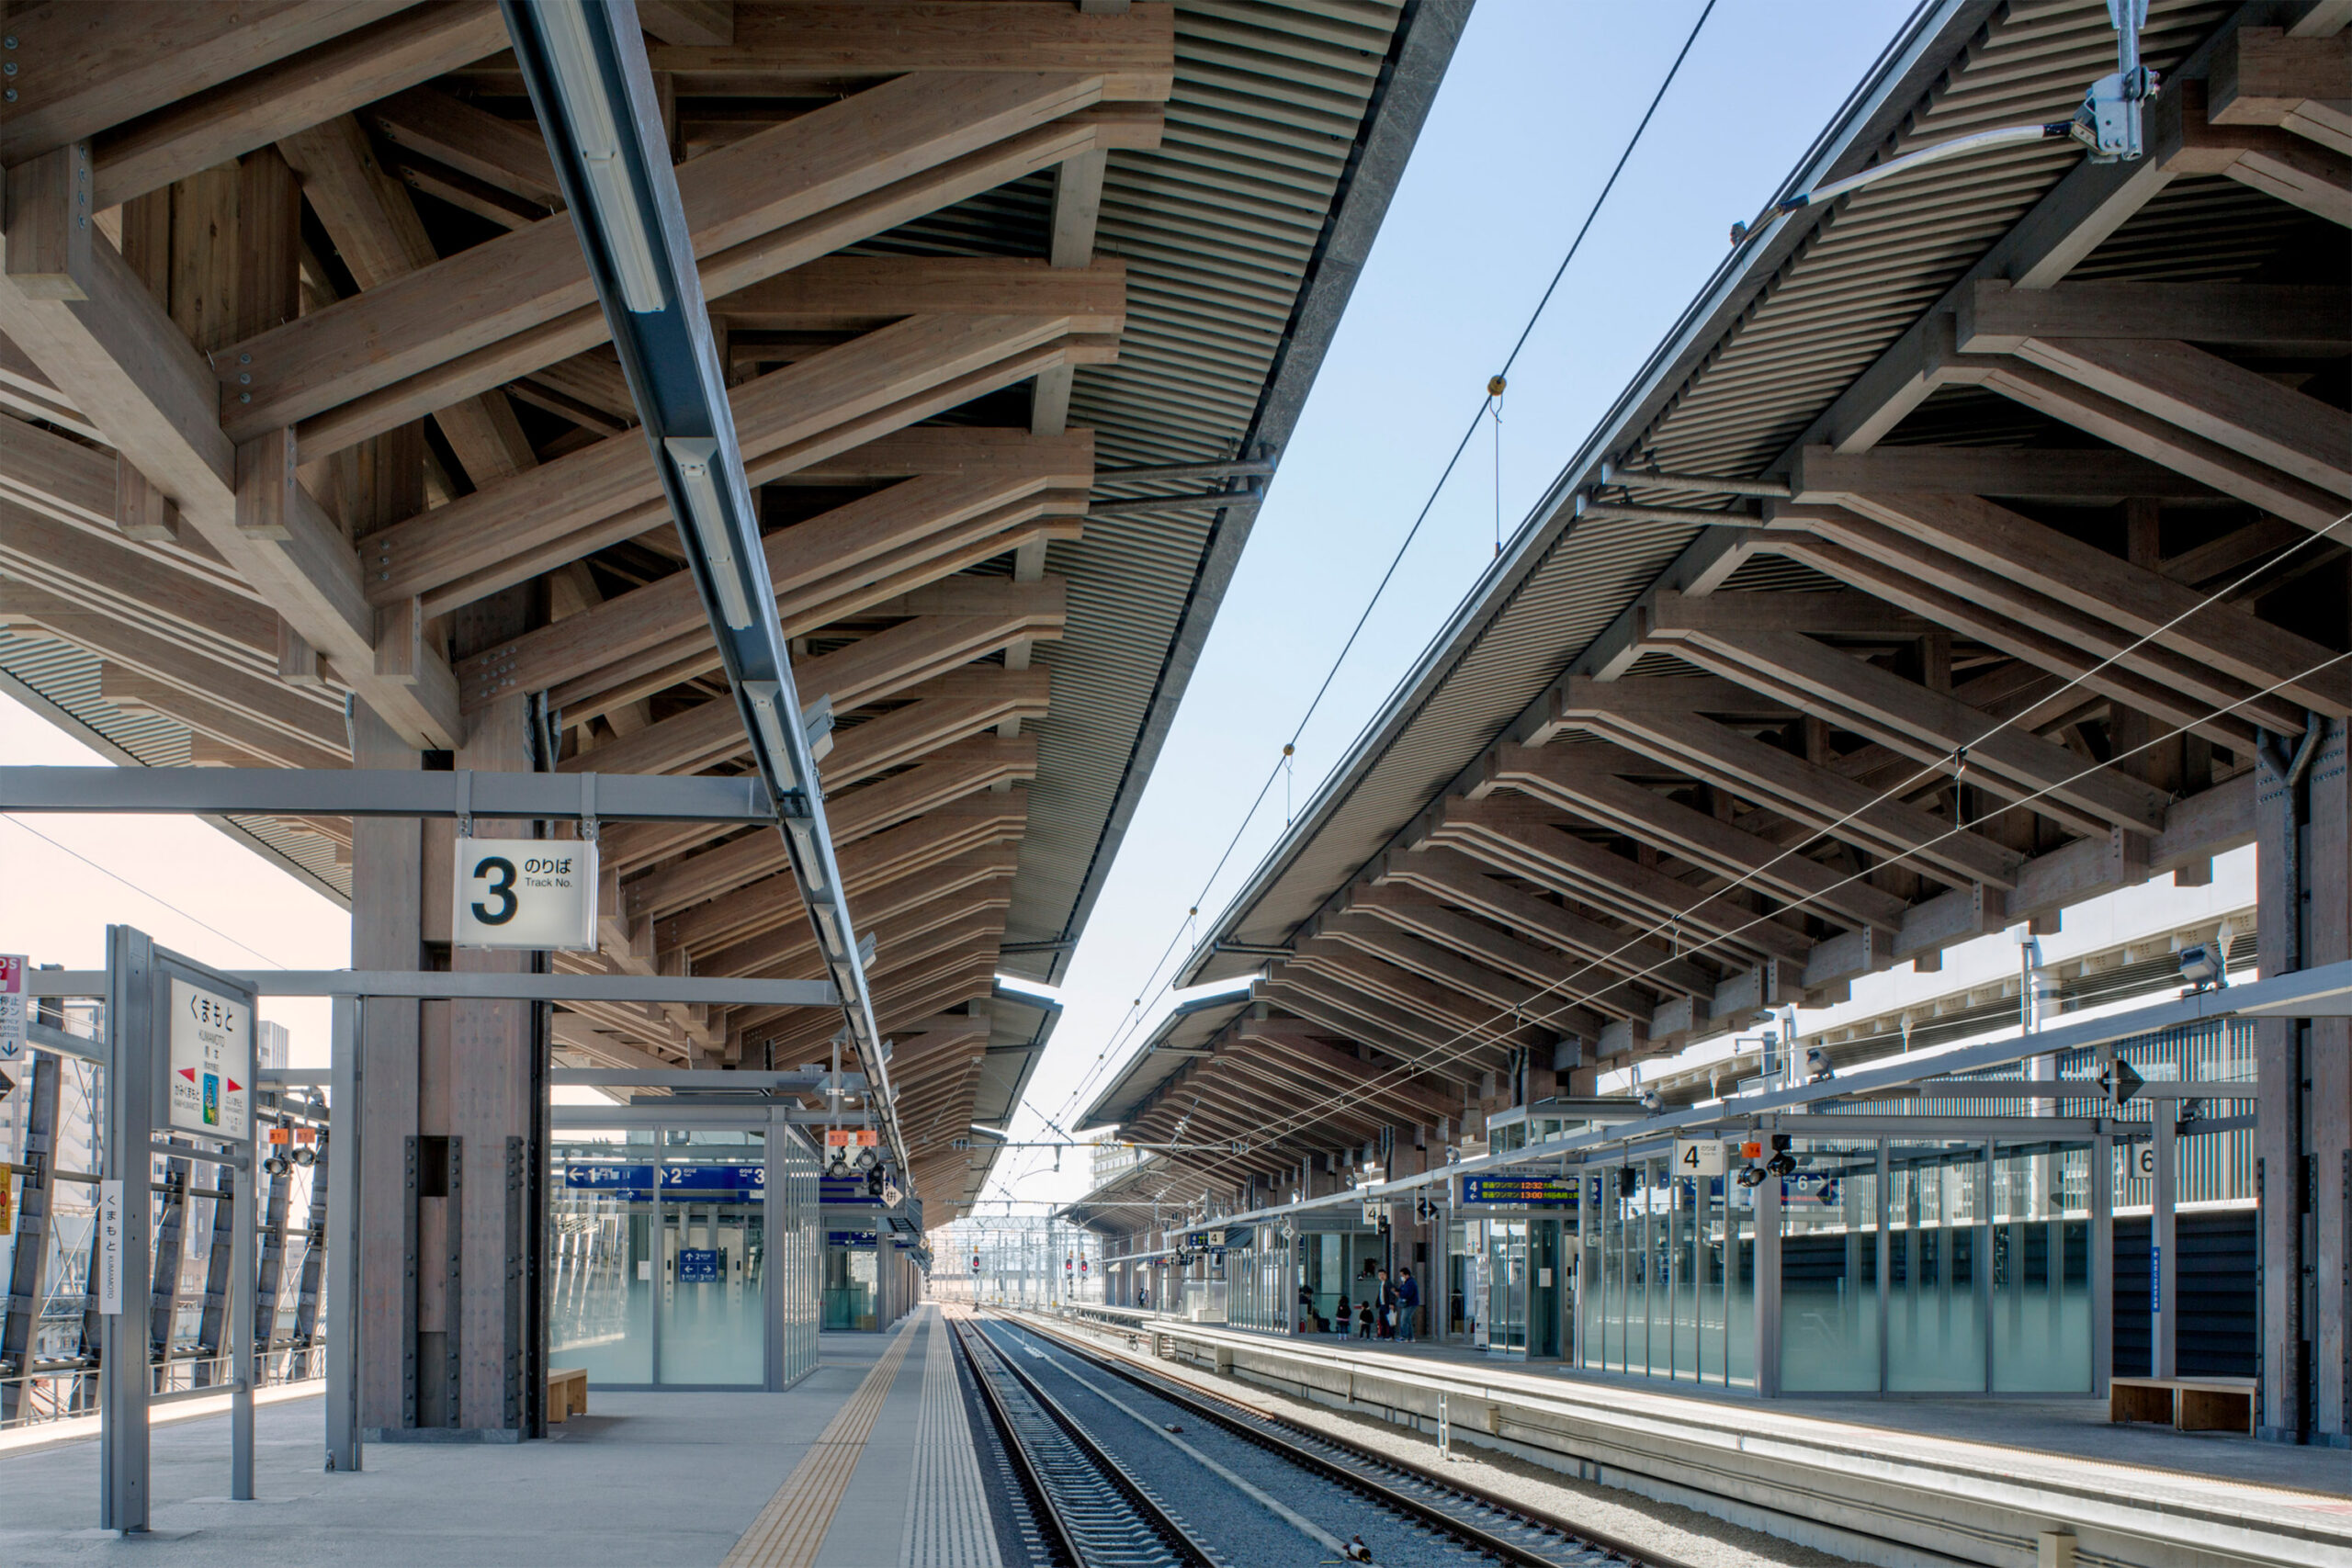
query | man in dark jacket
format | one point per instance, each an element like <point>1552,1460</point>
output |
<point>1409,1303</point>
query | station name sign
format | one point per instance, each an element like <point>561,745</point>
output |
<point>1520,1192</point>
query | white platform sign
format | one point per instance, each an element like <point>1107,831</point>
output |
<point>538,893</point>
<point>211,1078</point>
<point>13,1006</point>
<point>108,1260</point>
<point>1699,1157</point>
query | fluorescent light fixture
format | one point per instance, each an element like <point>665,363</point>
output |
<point>767,705</point>
<point>827,931</point>
<point>620,216</point>
<point>812,864</point>
<point>697,459</point>
<point>1029,988</point>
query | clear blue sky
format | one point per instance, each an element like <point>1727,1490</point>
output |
<point>1532,115</point>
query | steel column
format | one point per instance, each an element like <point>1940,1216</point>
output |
<point>342,1246</point>
<point>123,1379</point>
<point>2164,1258</point>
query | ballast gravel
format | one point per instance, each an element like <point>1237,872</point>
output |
<point>1686,1535</point>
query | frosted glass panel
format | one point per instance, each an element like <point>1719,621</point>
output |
<point>712,1235</point>
<point>2042,1301</point>
<point>1829,1237</point>
<point>1935,1309</point>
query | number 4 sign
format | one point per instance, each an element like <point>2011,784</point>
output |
<point>1699,1156</point>
<point>536,893</point>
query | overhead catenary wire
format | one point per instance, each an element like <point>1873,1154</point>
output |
<point>1442,1052</point>
<point>142,892</point>
<point>1150,989</point>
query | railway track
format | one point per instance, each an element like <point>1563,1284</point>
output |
<point>1430,1497</point>
<point>1093,1513</point>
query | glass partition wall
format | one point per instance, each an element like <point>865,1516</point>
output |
<point>1916,1266</point>
<point>662,1269</point>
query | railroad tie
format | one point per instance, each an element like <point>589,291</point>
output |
<point>792,1527</point>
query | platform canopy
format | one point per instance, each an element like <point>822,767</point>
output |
<point>1894,503</point>
<point>305,386</point>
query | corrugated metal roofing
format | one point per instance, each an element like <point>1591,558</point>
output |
<point>1788,323</point>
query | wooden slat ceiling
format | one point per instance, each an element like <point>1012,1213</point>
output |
<point>963,253</point>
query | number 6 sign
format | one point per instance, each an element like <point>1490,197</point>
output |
<point>535,893</point>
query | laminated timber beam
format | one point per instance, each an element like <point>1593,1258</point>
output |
<point>2090,473</point>
<point>915,988</point>
<point>1997,316</point>
<point>2268,77</point>
<point>1926,725</point>
<point>379,237</point>
<point>1804,791</point>
<point>2039,560</point>
<point>1534,842</point>
<point>965,768</point>
<point>1460,879</point>
<point>610,491</point>
<point>942,634</point>
<point>240,687</point>
<point>74,305</point>
<point>763,206</point>
<point>110,575</point>
<point>1445,1004</point>
<point>494,168</point>
<point>86,67</point>
<point>895,912</point>
<point>1536,1002</point>
<point>1574,780</point>
<point>1344,985</point>
<point>1301,1052</point>
<point>830,567</point>
<point>201,128</point>
<point>2198,391</point>
<point>1427,916</point>
<point>208,715</point>
<point>1984,604</point>
<point>1347,1013</point>
<point>768,936</point>
<point>946,707</point>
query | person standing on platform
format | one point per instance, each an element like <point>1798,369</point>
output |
<point>1409,1303</point>
<point>1363,1319</point>
<point>1384,1318</point>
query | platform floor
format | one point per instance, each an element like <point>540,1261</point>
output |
<point>2014,1434</point>
<point>861,1466</point>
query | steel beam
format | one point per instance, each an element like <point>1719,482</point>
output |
<point>433,984</point>
<point>388,792</point>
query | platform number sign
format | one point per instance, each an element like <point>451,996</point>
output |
<point>534,893</point>
<point>1699,1157</point>
<point>2143,1160</point>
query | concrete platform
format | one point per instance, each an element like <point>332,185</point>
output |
<point>856,1464</point>
<point>1900,1482</point>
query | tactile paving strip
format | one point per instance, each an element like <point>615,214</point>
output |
<point>792,1527</point>
<point>947,1520</point>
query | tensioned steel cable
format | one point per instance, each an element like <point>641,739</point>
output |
<point>142,892</point>
<point>1444,1051</point>
<point>1290,747</point>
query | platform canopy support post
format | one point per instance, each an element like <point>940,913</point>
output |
<point>123,1377</point>
<point>343,1239</point>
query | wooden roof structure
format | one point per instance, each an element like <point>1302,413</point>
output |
<point>301,369</point>
<point>1874,616</point>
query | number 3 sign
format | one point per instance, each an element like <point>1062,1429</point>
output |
<point>535,893</point>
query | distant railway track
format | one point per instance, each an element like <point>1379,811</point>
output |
<point>1092,1511</point>
<point>1436,1500</point>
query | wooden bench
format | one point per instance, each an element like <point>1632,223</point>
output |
<point>567,1394</point>
<point>2191,1405</point>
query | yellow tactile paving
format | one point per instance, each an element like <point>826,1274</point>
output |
<point>792,1527</point>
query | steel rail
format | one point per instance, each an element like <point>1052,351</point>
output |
<point>1074,1537</point>
<point>1252,1425</point>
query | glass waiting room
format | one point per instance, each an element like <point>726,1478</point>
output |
<point>1886,1265</point>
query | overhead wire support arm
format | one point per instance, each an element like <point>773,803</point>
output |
<point>592,89</point>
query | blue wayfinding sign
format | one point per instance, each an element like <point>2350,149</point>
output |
<point>697,1265</point>
<point>849,1238</point>
<point>636,1181</point>
<point>1520,1191</point>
